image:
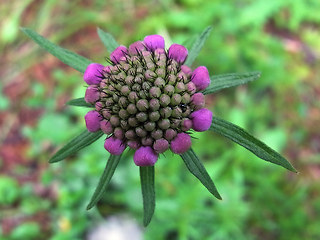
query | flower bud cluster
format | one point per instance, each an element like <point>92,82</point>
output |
<point>147,99</point>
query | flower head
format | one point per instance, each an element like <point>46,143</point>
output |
<point>147,99</point>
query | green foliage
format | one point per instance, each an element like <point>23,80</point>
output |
<point>197,46</point>
<point>241,137</point>
<point>148,193</point>
<point>198,170</point>
<point>76,144</point>
<point>72,59</point>
<point>108,40</point>
<point>79,102</point>
<point>28,231</point>
<point>104,180</point>
<point>9,190</point>
<point>221,81</point>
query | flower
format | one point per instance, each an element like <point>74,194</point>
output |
<point>147,99</point>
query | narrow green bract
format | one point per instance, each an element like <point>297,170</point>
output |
<point>76,144</point>
<point>108,40</point>
<point>79,102</point>
<point>197,46</point>
<point>219,82</point>
<point>74,60</point>
<point>241,137</point>
<point>198,170</point>
<point>148,193</point>
<point>104,180</point>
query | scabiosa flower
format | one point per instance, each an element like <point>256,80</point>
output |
<point>147,99</point>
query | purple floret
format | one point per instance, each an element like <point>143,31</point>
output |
<point>145,156</point>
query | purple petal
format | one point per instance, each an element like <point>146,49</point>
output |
<point>92,119</point>
<point>136,48</point>
<point>118,53</point>
<point>201,78</point>
<point>153,42</point>
<point>181,143</point>
<point>145,156</point>
<point>198,100</point>
<point>160,145</point>
<point>106,127</point>
<point>201,119</point>
<point>93,73</point>
<point>92,94</point>
<point>114,146</point>
<point>178,53</point>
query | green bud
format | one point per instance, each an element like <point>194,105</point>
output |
<point>133,97</point>
<point>161,72</point>
<point>164,100</point>
<point>159,82</point>
<point>141,132</point>
<point>132,108</point>
<point>123,114</point>
<point>186,98</point>
<point>139,78</point>
<point>154,104</point>
<point>125,90</point>
<point>150,75</point>
<point>118,133</point>
<point>165,112</point>
<point>149,126</point>
<point>133,122</point>
<point>169,90</point>
<point>154,116</point>
<point>176,112</point>
<point>164,124</point>
<point>142,94</point>
<point>155,92</point>
<point>115,108</point>
<point>156,134</point>
<point>123,102</point>
<point>129,80</point>
<point>146,86</point>
<point>186,112</point>
<point>114,120</point>
<point>142,117</point>
<point>115,97</point>
<point>175,123</point>
<point>136,87</point>
<point>124,124</point>
<point>130,134</point>
<point>175,99</point>
<point>180,87</point>
<point>151,66</point>
<point>143,105</point>
<point>172,79</point>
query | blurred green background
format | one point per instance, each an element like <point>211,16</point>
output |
<point>260,201</point>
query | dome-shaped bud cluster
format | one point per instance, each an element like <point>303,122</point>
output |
<point>147,99</point>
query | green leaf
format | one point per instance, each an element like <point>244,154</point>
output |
<point>76,144</point>
<point>72,59</point>
<point>241,137</point>
<point>148,193</point>
<point>222,81</point>
<point>79,102</point>
<point>104,180</point>
<point>198,170</point>
<point>197,46</point>
<point>108,40</point>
